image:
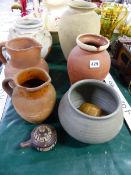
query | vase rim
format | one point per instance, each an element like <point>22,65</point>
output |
<point>99,83</point>
<point>82,5</point>
<point>92,42</point>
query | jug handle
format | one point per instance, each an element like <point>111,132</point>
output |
<point>6,86</point>
<point>2,58</point>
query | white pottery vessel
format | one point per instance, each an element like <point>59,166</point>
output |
<point>78,18</point>
<point>86,128</point>
<point>54,10</point>
<point>32,27</point>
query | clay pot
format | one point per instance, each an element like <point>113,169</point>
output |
<point>33,95</point>
<point>87,128</point>
<point>24,52</point>
<point>78,18</point>
<point>43,138</point>
<point>89,58</point>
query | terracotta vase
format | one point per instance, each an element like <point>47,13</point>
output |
<point>24,52</point>
<point>89,58</point>
<point>88,128</point>
<point>33,95</point>
<point>78,18</point>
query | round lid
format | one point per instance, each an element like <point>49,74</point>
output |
<point>44,137</point>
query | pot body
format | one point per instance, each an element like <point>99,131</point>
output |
<point>33,95</point>
<point>86,128</point>
<point>86,63</point>
<point>76,21</point>
<point>24,52</point>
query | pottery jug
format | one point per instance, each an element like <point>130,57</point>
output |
<point>88,128</point>
<point>24,52</point>
<point>43,138</point>
<point>33,95</point>
<point>89,58</point>
<point>79,18</point>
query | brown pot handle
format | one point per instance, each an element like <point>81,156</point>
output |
<point>2,58</point>
<point>6,85</point>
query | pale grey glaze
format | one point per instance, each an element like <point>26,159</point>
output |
<point>90,129</point>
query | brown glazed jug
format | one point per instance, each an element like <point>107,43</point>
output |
<point>89,58</point>
<point>24,52</point>
<point>33,95</point>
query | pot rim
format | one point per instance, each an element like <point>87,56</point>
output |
<point>77,4</point>
<point>93,81</point>
<point>92,48</point>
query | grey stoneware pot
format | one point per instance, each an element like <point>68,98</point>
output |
<point>87,128</point>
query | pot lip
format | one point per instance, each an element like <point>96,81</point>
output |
<point>77,4</point>
<point>90,47</point>
<point>94,81</point>
<point>34,88</point>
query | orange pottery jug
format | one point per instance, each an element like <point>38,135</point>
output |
<point>33,95</point>
<point>24,52</point>
<point>89,59</point>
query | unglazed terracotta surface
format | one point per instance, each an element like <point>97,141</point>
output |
<point>87,128</point>
<point>79,18</point>
<point>90,49</point>
<point>33,102</point>
<point>24,52</point>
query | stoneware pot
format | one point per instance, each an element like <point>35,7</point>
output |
<point>78,18</point>
<point>89,58</point>
<point>43,138</point>
<point>32,93</point>
<point>24,52</point>
<point>87,128</point>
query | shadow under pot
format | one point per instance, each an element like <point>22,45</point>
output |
<point>89,128</point>
<point>33,95</point>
